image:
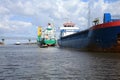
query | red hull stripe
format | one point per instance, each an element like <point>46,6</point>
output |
<point>107,25</point>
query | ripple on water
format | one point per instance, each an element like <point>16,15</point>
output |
<point>29,62</point>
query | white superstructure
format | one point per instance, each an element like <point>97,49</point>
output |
<point>68,29</point>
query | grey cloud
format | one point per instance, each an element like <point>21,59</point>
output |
<point>43,11</point>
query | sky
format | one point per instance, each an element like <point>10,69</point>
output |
<point>22,17</point>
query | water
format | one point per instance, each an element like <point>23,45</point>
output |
<point>29,62</point>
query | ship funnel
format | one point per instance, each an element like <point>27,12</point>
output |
<point>39,31</point>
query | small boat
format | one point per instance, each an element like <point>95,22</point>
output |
<point>17,43</point>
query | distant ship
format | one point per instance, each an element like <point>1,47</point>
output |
<point>100,37</point>
<point>17,43</point>
<point>46,37</point>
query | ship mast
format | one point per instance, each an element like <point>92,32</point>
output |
<point>89,14</point>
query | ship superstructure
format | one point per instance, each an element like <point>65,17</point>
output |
<point>68,28</point>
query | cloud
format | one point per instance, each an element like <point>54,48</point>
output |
<point>15,27</point>
<point>3,10</point>
<point>113,8</point>
<point>19,16</point>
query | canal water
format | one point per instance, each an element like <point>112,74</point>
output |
<point>29,62</point>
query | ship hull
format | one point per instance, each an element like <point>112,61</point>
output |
<point>105,38</point>
<point>51,42</point>
<point>46,43</point>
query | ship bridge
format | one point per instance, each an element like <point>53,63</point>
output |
<point>68,28</point>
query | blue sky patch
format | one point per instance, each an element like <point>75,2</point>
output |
<point>21,18</point>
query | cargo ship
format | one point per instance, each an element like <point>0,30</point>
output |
<point>46,37</point>
<point>99,37</point>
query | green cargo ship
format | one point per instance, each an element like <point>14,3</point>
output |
<point>46,37</point>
